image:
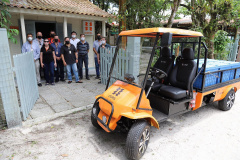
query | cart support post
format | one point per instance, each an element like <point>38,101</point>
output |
<point>148,68</point>
<point>113,61</point>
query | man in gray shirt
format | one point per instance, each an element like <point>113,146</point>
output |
<point>39,40</point>
<point>31,46</point>
<point>96,45</point>
<point>83,49</point>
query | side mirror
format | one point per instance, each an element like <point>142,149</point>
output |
<point>129,77</point>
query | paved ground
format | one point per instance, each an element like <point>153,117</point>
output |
<point>63,96</point>
<point>206,133</point>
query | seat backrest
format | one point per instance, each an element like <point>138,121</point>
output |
<point>184,71</point>
<point>165,62</point>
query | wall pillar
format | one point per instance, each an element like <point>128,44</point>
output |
<point>23,29</point>
<point>133,49</point>
<point>103,28</point>
<point>65,33</point>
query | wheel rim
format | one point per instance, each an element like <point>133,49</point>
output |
<point>230,100</point>
<point>144,141</point>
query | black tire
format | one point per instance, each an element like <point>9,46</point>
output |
<point>227,103</point>
<point>136,138</point>
<point>94,114</point>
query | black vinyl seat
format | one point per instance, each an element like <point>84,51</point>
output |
<point>181,77</point>
<point>165,63</point>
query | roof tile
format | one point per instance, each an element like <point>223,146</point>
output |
<point>83,7</point>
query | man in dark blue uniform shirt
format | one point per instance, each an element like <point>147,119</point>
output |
<point>59,70</point>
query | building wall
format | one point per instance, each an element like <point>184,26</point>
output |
<point>76,26</point>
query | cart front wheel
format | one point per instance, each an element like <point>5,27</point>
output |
<point>94,114</point>
<point>137,140</point>
<point>227,103</point>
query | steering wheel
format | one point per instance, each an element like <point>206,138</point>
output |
<point>158,73</point>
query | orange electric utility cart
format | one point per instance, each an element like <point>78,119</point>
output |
<point>172,85</point>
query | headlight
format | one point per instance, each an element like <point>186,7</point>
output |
<point>104,119</point>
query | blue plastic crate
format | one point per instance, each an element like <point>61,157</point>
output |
<point>236,65</point>
<point>237,74</point>
<point>210,79</point>
<point>227,75</point>
<point>214,78</point>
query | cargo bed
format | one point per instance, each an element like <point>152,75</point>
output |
<point>217,73</point>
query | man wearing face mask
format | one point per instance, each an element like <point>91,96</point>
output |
<point>103,45</point>
<point>51,39</point>
<point>59,71</point>
<point>96,45</point>
<point>31,46</point>
<point>39,40</point>
<point>74,40</point>
<point>70,58</point>
<point>83,49</point>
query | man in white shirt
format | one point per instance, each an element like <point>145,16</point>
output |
<point>74,40</point>
<point>31,46</point>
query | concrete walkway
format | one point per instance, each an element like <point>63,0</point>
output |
<point>64,97</point>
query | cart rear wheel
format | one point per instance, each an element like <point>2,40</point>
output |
<point>227,103</point>
<point>94,114</point>
<point>137,140</point>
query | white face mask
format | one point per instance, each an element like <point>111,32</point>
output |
<point>103,42</point>
<point>83,39</point>
<point>74,36</point>
<point>30,38</point>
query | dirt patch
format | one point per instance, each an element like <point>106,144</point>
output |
<point>206,133</point>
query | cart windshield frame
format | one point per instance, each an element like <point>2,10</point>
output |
<point>157,33</point>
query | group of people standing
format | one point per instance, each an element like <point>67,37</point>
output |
<point>52,56</point>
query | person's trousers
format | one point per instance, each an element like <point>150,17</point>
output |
<point>81,59</point>
<point>37,67</point>
<point>49,69</point>
<point>75,71</point>
<point>97,67</point>
<point>59,73</point>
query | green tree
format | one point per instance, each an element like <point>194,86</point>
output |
<point>144,14</point>
<point>105,4</point>
<point>5,22</point>
<point>207,15</point>
<point>221,42</point>
<point>174,9</point>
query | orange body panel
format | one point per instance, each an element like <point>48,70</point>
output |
<point>124,98</point>
<point>220,93</point>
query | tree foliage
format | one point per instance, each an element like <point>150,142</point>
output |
<point>174,9</point>
<point>5,22</point>
<point>105,4</point>
<point>221,42</point>
<point>144,14</point>
<point>208,15</point>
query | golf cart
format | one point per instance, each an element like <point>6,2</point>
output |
<point>173,85</point>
